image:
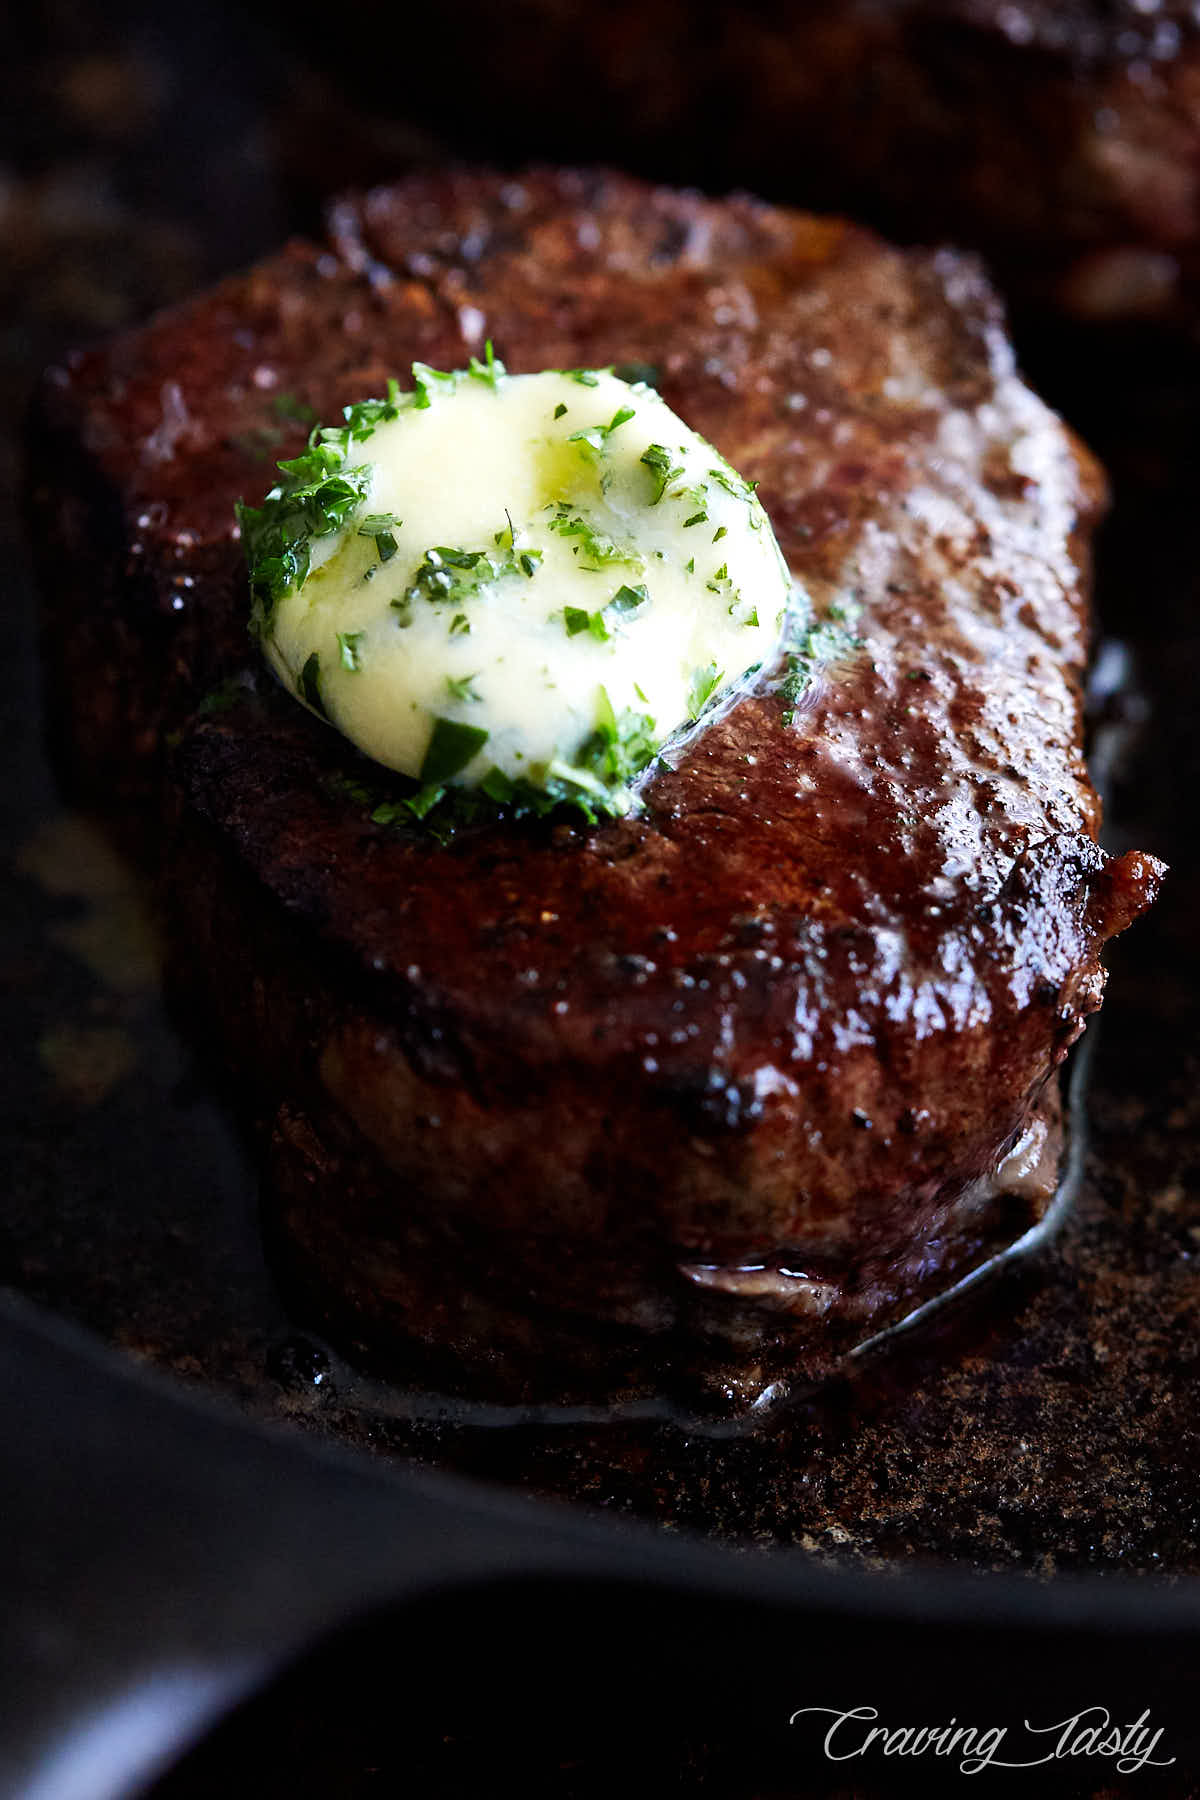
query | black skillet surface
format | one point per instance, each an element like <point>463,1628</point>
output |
<point>1044,1426</point>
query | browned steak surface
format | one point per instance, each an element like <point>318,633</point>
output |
<point>742,1069</point>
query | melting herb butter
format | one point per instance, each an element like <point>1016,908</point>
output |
<point>520,584</point>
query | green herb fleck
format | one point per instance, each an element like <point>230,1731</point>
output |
<point>498,786</point>
<point>309,685</point>
<point>315,498</point>
<point>277,536</point>
<point>809,644</point>
<point>348,642</point>
<point>732,482</point>
<point>491,369</point>
<point>577,620</point>
<point>723,585</point>
<point>380,526</point>
<point>560,410</point>
<point>618,749</point>
<point>704,684</point>
<point>425,799</point>
<point>459,687</point>
<point>593,441</point>
<point>452,746</point>
<point>418,805</point>
<point>447,574</point>
<point>658,460</point>
<point>425,379</point>
<point>596,547</point>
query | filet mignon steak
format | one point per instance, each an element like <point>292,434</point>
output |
<point>711,1092</point>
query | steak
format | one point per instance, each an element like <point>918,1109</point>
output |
<point>700,1097</point>
<point>1063,140</point>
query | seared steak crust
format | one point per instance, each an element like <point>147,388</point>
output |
<point>740,1070</point>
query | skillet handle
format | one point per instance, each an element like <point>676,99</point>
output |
<point>160,1557</point>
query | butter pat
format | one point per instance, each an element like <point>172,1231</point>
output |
<point>523,582</point>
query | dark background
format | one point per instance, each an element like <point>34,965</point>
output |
<point>1047,1426</point>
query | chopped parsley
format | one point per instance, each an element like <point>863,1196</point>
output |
<point>459,687</point>
<point>348,642</point>
<point>618,749</point>
<point>625,601</point>
<point>452,746</point>
<point>658,460</point>
<point>593,441</point>
<point>732,482</point>
<point>426,381</point>
<point>525,560</point>
<point>309,685</point>
<point>560,410</point>
<point>810,644</point>
<point>705,683</point>
<point>314,501</point>
<point>447,575</point>
<point>491,369</point>
<point>595,782</point>
<point>315,498</point>
<point>597,548</point>
<point>381,526</point>
<point>422,802</point>
<point>577,619</point>
<point>585,377</point>
<point>499,787</point>
<point>723,585</point>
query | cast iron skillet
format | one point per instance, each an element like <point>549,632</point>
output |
<point>189,1554</point>
<point>164,1553</point>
